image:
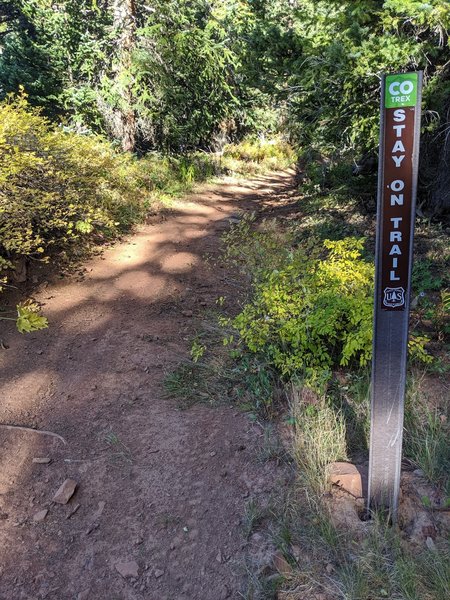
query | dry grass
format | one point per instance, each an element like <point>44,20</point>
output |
<point>319,439</point>
<point>372,561</point>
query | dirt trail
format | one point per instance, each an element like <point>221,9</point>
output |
<point>159,486</point>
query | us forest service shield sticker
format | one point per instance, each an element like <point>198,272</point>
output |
<point>394,297</point>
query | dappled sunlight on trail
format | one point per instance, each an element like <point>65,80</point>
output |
<point>95,377</point>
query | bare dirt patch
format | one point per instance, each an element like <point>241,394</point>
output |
<point>158,509</point>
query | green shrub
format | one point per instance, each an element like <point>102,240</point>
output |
<point>312,308</point>
<point>313,313</point>
<point>57,187</point>
<point>59,190</point>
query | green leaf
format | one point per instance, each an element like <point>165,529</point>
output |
<point>29,320</point>
<point>83,226</point>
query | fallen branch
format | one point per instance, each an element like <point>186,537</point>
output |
<point>39,431</point>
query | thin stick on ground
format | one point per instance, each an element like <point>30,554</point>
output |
<point>30,429</point>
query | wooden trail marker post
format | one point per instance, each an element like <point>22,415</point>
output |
<point>397,187</point>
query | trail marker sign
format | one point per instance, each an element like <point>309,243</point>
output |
<point>397,187</point>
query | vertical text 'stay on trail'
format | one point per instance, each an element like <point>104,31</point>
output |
<point>397,185</point>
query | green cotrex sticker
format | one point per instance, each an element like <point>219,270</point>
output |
<point>400,90</point>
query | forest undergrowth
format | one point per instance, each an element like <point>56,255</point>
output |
<point>63,194</point>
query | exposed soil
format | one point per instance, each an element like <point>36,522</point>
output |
<point>163,487</point>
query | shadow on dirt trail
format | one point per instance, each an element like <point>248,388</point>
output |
<point>164,488</point>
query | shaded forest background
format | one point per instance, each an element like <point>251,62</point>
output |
<point>179,75</point>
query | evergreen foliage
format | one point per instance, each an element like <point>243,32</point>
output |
<point>321,62</point>
<point>179,74</point>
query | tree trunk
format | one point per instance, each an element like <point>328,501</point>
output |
<point>124,119</point>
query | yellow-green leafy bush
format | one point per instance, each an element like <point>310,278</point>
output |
<point>58,188</point>
<point>256,155</point>
<point>312,308</point>
<point>314,313</point>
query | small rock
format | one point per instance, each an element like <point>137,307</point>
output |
<point>430,544</point>
<point>346,476</point>
<point>345,516</point>
<point>65,492</point>
<point>329,568</point>
<point>219,557</point>
<point>418,472</point>
<point>100,509</point>
<point>42,461</point>
<point>360,505</point>
<point>213,453</point>
<point>429,531</point>
<point>281,564</point>
<point>296,552</point>
<point>187,313</point>
<point>73,511</point>
<point>40,516</point>
<point>127,568</point>
<point>225,593</point>
<point>158,573</point>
